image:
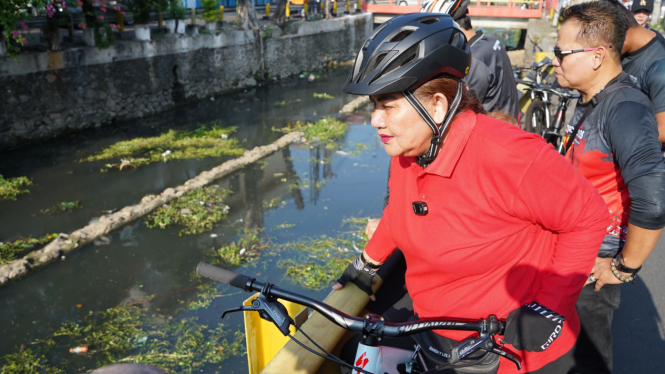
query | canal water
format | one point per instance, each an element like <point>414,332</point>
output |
<point>301,191</point>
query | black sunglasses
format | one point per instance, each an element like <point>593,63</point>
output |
<point>559,54</point>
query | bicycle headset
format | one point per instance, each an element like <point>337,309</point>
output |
<point>406,52</point>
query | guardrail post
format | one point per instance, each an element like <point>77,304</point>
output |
<point>120,20</point>
<point>359,6</point>
<point>348,6</point>
<point>287,11</point>
<point>335,8</point>
<point>221,13</point>
<point>304,10</point>
<point>267,9</point>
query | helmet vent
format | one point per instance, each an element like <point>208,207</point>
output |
<point>429,21</point>
<point>401,35</point>
<point>455,38</point>
<point>378,30</point>
<point>372,66</point>
<point>403,60</point>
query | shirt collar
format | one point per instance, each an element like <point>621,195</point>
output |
<point>451,150</point>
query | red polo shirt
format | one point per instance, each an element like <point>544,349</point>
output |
<point>510,221</point>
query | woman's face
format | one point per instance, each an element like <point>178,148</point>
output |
<point>402,129</point>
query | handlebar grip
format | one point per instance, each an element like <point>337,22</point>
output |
<point>222,275</point>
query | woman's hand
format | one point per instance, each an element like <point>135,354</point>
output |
<point>372,224</point>
<point>360,274</point>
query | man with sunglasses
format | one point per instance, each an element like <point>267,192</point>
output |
<point>643,58</point>
<point>613,142</point>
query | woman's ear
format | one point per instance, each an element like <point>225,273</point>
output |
<point>439,107</point>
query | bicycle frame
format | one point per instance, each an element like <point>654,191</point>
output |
<point>382,359</point>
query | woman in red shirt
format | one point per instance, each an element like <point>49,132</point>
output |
<point>491,220</point>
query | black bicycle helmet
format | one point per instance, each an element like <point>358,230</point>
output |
<point>406,52</point>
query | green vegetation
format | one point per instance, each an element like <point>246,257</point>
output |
<point>210,10</point>
<point>173,145</point>
<point>285,103</point>
<point>323,130</point>
<point>62,207</point>
<point>196,211</point>
<point>130,334</point>
<point>9,251</point>
<point>247,248</point>
<point>26,361</point>
<point>320,261</point>
<point>12,187</point>
<point>323,96</point>
<point>359,148</point>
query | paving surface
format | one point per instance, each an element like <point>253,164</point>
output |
<point>639,334</point>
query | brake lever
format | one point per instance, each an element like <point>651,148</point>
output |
<point>269,310</point>
<point>504,352</point>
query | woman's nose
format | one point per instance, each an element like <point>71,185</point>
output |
<point>377,120</point>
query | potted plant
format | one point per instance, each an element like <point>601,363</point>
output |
<point>210,13</point>
<point>141,14</point>
<point>175,17</point>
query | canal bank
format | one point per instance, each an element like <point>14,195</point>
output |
<point>85,87</point>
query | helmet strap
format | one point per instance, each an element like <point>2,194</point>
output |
<point>439,130</point>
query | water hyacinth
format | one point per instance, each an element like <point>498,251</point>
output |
<point>323,130</point>
<point>197,211</point>
<point>173,145</point>
<point>12,187</point>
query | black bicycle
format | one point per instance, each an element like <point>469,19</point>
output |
<point>371,357</point>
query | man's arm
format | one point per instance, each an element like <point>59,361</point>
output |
<point>660,117</point>
<point>632,134</point>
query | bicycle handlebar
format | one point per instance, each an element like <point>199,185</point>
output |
<point>354,324</point>
<point>541,88</point>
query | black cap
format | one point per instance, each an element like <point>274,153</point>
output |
<point>642,5</point>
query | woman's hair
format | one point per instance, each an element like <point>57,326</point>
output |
<point>448,87</point>
<point>470,101</point>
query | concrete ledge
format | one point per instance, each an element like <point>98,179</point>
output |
<point>128,50</point>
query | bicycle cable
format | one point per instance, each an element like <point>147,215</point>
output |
<point>447,364</point>
<point>329,357</point>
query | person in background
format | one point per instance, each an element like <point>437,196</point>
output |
<point>612,140</point>
<point>490,74</point>
<point>643,58</point>
<point>642,10</point>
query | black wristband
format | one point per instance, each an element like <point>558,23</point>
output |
<point>623,268</point>
<point>367,263</point>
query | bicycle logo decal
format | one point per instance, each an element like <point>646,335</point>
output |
<point>362,361</point>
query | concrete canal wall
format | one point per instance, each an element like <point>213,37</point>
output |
<point>44,94</point>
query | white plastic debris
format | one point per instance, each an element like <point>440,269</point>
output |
<point>166,153</point>
<point>242,251</point>
<point>224,136</point>
<point>213,235</point>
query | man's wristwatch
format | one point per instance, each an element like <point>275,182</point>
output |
<point>618,266</point>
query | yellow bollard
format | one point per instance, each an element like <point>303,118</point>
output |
<point>304,10</point>
<point>267,9</point>
<point>193,16</point>
<point>359,7</point>
<point>348,7</point>
<point>287,11</point>
<point>335,8</point>
<point>121,23</point>
<point>221,13</point>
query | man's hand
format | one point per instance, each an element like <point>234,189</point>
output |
<point>372,224</point>
<point>603,273</point>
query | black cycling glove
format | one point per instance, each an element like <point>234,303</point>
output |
<point>360,273</point>
<point>532,327</point>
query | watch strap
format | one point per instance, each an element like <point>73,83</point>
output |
<point>622,267</point>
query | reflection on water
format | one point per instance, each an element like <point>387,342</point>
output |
<point>153,268</point>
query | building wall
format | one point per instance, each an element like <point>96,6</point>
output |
<point>45,94</point>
